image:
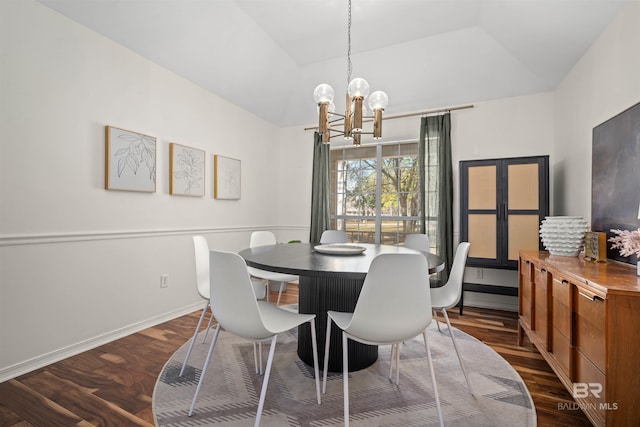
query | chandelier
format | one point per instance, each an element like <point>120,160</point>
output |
<point>349,124</point>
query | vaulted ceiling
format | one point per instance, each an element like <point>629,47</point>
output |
<point>267,56</point>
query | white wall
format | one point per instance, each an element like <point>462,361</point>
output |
<point>605,82</point>
<point>294,209</point>
<point>79,264</point>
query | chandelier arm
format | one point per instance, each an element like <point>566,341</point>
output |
<point>420,113</point>
<point>336,132</point>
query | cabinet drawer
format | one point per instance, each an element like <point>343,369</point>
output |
<point>542,305</point>
<point>541,314</point>
<point>526,267</point>
<point>561,317</point>
<point>562,290</point>
<point>527,310</point>
<point>541,276</point>
<point>590,336</point>
<point>525,270</point>
<point>562,352</point>
<point>592,382</point>
<point>526,293</point>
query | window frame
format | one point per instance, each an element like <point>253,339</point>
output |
<point>338,220</point>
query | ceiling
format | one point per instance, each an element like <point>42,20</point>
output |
<point>267,56</point>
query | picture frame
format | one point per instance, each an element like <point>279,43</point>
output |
<point>130,160</point>
<point>227,178</point>
<point>595,246</point>
<point>186,170</point>
<point>615,176</point>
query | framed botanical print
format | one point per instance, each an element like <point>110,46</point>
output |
<point>130,160</point>
<point>186,170</point>
<point>226,183</point>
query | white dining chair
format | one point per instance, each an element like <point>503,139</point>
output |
<point>333,236</point>
<point>443,298</point>
<point>279,280</point>
<point>448,296</point>
<point>389,310</point>
<point>238,312</point>
<point>417,241</point>
<point>201,250</point>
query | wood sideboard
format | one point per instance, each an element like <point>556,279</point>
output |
<point>584,319</point>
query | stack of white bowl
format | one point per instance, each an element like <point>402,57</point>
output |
<point>563,235</point>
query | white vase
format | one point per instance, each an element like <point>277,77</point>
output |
<point>563,235</point>
<point>638,267</point>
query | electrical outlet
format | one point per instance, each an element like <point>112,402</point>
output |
<point>164,280</point>
<point>478,273</point>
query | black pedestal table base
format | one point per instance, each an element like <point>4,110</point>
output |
<point>317,295</point>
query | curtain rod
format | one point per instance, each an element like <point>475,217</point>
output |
<point>421,113</point>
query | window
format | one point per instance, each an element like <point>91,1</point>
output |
<point>375,192</point>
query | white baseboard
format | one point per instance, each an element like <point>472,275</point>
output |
<point>80,347</point>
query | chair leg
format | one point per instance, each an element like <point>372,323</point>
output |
<point>398,348</point>
<point>345,376</point>
<point>193,340</point>
<point>208,327</point>
<point>327,342</point>
<point>314,346</point>
<point>433,378</point>
<point>204,368</point>
<point>435,317</point>
<point>395,354</point>
<point>267,293</point>
<point>455,346</point>
<point>265,381</point>
<point>282,285</point>
<point>393,349</point>
<point>255,357</point>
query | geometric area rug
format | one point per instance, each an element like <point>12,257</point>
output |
<point>230,393</point>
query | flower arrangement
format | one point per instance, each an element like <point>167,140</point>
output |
<point>627,241</point>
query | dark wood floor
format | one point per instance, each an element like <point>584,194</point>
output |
<point>112,385</point>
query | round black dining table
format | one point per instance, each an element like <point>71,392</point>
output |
<point>328,282</point>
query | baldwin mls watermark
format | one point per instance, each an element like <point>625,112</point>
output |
<point>583,391</point>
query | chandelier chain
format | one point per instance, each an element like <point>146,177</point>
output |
<point>349,45</point>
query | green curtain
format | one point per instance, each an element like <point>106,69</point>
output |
<point>436,185</point>
<point>320,218</point>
